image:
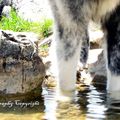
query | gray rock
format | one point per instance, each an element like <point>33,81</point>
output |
<point>32,10</point>
<point>1,8</point>
<point>21,69</point>
<point>4,3</point>
<point>98,69</point>
<point>6,11</point>
<point>95,36</point>
<point>7,2</point>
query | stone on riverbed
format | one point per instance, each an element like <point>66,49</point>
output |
<point>21,69</point>
<point>97,67</point>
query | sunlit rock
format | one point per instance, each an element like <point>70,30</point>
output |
<point>97,66</point>
<point>21,69</point>
<point>6,11</point>
<point>32,10</point>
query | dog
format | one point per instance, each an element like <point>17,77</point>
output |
<point>71,40</point>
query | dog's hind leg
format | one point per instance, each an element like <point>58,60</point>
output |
<point>112,26</point>
<point>84,50</point>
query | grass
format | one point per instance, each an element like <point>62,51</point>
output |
<point>17,24</point>
<point>46,27</point>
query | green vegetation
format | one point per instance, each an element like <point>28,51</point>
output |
<point>45,47</point>
<point>46,27</point>
<point>17,24</point>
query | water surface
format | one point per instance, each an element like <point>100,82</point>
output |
<point>92,103</point>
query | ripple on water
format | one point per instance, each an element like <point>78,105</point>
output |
<point>92,103</point>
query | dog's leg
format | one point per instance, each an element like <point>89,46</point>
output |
<point>71,21</point>
<point>84,50</point>
<point>67,45</point>
<point>113,51</point>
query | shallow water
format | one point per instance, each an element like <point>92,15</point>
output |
<point>92,103</point>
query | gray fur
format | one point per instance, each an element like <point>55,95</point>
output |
<point>71,23</point>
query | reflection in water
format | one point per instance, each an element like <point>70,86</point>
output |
<point>92,103</point>
<point>50,103</point>
<point>56,110</point>
<point>21,112</point>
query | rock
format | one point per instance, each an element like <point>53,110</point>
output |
<point>6,11</point>
<point>35,11</point>
<point>95,35</point>
<point>21,69</point>
<point>98,67</point>
<point>99,80</point>
<point>7,2</point>
<point>32,10</point>
<point>1,8</point>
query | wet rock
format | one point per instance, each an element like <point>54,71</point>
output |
<point>100,80</point>
<point>21,69</point>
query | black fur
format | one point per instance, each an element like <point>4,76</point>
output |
<point>112,25</point>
